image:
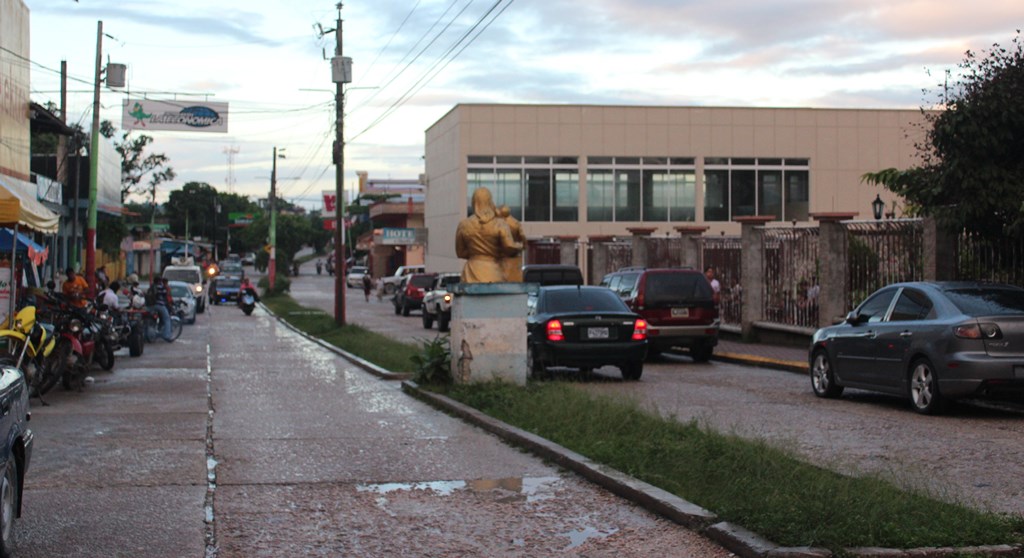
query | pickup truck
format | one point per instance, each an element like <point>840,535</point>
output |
<point>390,282</point>
<point>437,302</point>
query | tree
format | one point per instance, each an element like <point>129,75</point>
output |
<point>136,164</point>
<point>972,172</point>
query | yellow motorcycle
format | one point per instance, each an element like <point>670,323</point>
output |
<point>29,348</point>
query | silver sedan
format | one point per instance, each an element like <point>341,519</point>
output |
<point>930,342</point>
<point>181,291</point>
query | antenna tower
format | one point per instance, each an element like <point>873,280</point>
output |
<point>230,178</point>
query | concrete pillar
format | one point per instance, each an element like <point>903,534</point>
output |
<point>834,279</point>
<point>567,252</point>
<point>639,241</point>
<point>599,262</point>
<point>690,251</point>
<point>752,283</point>
<point>939,252</point>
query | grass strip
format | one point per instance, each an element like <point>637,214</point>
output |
<point>374,347</point>
<point>749,483</point>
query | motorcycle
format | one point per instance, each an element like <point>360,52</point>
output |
<point>30,346</point>
<point>75,347</point>
<point>247,302</point>
<point>152,325</point>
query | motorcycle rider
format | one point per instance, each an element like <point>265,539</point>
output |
<point>109,296</point>
<point>247,288</point>
<point>162,301</point>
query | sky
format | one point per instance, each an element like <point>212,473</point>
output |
<point>413,60</point>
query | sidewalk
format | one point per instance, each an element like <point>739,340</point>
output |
<point>778,357</point>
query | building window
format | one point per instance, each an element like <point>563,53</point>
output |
<point>648,189</point>
<point>534,188</point>
<point>746,186</point>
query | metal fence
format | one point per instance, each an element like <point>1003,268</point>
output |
<point>791,274</point>
<point>664,252</point>
<point>882,252</point>
<point>619,255</point>
<point>725,253</point>
<point>978,259</point>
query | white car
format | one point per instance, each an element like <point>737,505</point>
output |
<point>437,302</point>
<point>182,291</point>
<point>354,278</point>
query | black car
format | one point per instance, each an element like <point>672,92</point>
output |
<point>16,452</point>
<point>583,327</point>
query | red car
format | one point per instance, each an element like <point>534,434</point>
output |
<point>409,295</point>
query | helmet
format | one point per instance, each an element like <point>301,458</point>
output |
<point>138,301</point>
<point>133,278</point>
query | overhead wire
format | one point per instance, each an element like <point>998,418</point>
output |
<point>392,37</point>
<point>420,84</point>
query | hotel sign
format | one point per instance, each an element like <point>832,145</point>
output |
<point>402,237</point>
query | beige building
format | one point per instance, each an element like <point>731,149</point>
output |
<point>584,172</point>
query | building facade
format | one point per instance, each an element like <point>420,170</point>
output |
<point>581,172</point>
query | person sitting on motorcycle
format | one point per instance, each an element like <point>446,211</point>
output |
<point>75,288</point>
<point>247,288</point>
<point>109,296</point>
<point>162,303</point>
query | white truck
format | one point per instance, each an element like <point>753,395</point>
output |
<point>390,282</point>
<point>437,302</point>
<point>184,269</point>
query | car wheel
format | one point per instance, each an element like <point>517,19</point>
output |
<point>428,320</point>
<point>405,309</point>
<point>398,309</point>
<point>632,371</point>
<point>442,322</point>
<point>823,379</point>
<point>536,368</point>
<point>389,288</point>
<point>701,353</point>
<point>8,506</point>
<point>924,388</point>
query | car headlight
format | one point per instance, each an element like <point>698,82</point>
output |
<point>199,288</point>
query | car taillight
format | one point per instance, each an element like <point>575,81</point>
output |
<point>978,331</point>
<point>555,331</point>
<point>639,330</point>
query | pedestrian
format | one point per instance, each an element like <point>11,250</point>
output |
<point>367,285</point>
<point>101,278</point>
<point>75,288</point>
<point>319,266</point>
<point>716,287</point>
<point>162,301</point>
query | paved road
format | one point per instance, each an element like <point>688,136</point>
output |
<point>971,455</point>
<point>308,455</point>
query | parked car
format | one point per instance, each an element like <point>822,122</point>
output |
<point>390,282</point>
<point>410,295</point>
<point>181,291</point>
<point>231,268</point>
<point>552,274</point>
<point>929,342</point>
<point>225,289</point>
<point>437,301</point>
<point>16,452</point>
<point>583,327</point>
<point>249,258</point>
<point>354,276</point>
<point>678,305</point>
<point>193,275</point>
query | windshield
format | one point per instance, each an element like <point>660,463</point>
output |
<point>581,300</point>
<point>186,275</point>
<point>988,301</point>
<point>180,291</point>
<point>673,287</point>
<point>227,283</point>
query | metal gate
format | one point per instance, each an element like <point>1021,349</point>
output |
<point>791,274</point>
<point>725,254</point>
<point>882,252</point>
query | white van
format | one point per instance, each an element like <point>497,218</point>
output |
<point>193,275</point>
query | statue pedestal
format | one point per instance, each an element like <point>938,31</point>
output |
<point>488,332</point>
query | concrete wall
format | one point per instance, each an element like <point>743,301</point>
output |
<point>14,92</point>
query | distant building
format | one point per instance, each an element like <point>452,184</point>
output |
<point>580,172</point>
<point>398,235</point>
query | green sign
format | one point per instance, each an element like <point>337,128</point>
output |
<point>240,218</point>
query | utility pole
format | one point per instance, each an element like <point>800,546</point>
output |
<point>340,78</point>
<point>94,168</point>
<point>272,267</point>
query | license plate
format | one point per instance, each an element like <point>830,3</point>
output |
<point>597,333</point>
<point>680,312</point>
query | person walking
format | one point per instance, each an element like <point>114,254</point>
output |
<point>161,304</point>
<point>367,285</point>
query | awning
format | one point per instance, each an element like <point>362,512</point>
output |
<point>31,213</point>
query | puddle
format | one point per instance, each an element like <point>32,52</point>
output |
<point>533,488</point>
<point>577,538</point>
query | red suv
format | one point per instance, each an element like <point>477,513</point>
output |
<point>678,307</point>
<point>409,296</point>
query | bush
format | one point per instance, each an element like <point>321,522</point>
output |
<point>434,363</point>
<point>281,285</point>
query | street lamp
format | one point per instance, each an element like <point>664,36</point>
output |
<point>272,267</point>
<point>877,207</point>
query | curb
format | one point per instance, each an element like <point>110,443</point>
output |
<point>736,539</point>
<point>762,362</point>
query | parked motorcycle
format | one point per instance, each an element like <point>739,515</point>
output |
<point>30,346</point>
<point>76,347</point>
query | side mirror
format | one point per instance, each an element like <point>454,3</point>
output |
<point>853,318</point>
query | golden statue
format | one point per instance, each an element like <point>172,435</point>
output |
<point>485,240</point>
<point>512,265</point>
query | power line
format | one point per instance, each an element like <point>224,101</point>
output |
<point>392,37</point>
<point>420,84</point>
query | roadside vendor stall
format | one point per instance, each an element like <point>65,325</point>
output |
<point>17,214</point>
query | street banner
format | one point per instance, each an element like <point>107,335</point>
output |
<point>176,116</point>
<point>330,199</point>
<point>240,218</point>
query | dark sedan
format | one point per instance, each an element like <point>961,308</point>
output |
<point>225,289</point>
<point>930,342</point>
<point>585,328</point>
<point>16,452</point>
